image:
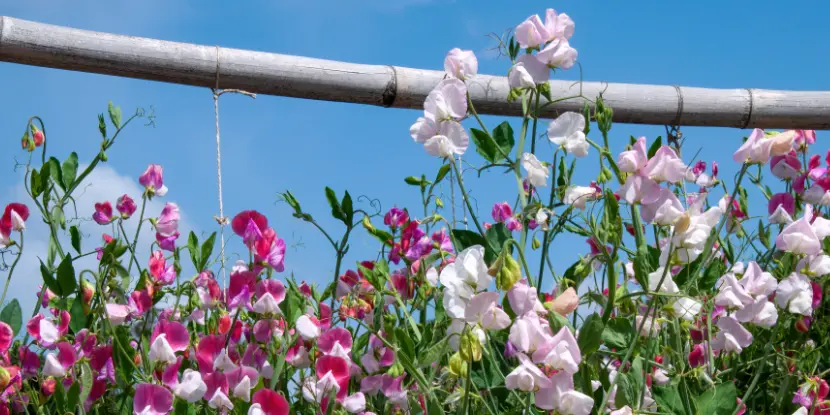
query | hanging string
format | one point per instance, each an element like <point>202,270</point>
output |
<point>222,219</point>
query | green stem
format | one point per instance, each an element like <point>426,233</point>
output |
<point>137,231</point>
<point>11,271</point>
<point>466,198</point>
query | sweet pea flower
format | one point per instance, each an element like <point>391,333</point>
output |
<point>14,219</point>
<point>447,101</point>
<point>482,310</point>
<point>464,278</point>
<point>268,402</point>
<point>568,131</point>
<point>804,236</point>
<point>307,328</point>
<point>461,64</point>
<point>558,25</point>
<point>523,298</point>
<point>153,180</point>
<point>168,337</point>
<point>565,303</point>
<point>781,208</point>
<point>43,330</point>
<point>688,243</point>
<point>526,377</point>
<point>162,273</point>
<point>532,33</point>
<point>270,293</point>
<point>795,294</point>
<point>562,397</point>
<point>528,72</point>
<point>732,337</point>
<point>117,313</point>
<point>537,173</point>
<point>785,166</point>
<point>560,352</point>
<point>103,213</point>
<point>152,399</point>
<point>527,333</point>
<point>756,149</point>
<point>665,166</point>
<point>395,218</point>
<point>126,206</point>
<point>57,364</point>
<point>665,210</point>
<point>632,161</point>
<point>687,308</point>
<point>804,138</point>
<point>782,142</point>
<point>168,222</point>
<point>558,54</point>
<point>579,196</point>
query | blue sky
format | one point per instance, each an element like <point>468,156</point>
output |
<point>273,143</point>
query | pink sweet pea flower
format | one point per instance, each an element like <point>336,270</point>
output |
<point>732,337</point>
<point>103,213</point>
<point>756,149</point>
<point>378,356</point>
<point>527,377</point>
<point>461,64</point>
<point>126,206</point>
<point>804,138</point>
<point>162,273</point>
<point>57,365</point>
<point>394,391</point>
<point>6,337</point>
<point>240,289</point>
<point>442,238</point>
<point>140,302</point>
<point>786,166</point>
<point>152,399</point>
<point>482,310</point>
<point>665,166</point>
<point>335,341</point>
<point>43,330</point>
<point>240,222</point>
<point>395,218</point>
<point>532,33</point>
<point>523,298</point>
<point>560,352</point>
<point>528,72</point>
<point>268,402</point>
<point>168,337</point>
<point>29,360</point>
<point>168,222</point>
<point>117,313</point>
<point>804,236</point>
<point>781,208</point>
<point>270,293</point>
<point>697,356</point>
<point>153,180</point>
<point>270,250</point>
<point>336,367</point>
<point>14,218</point>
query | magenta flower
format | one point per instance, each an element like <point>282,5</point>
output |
<point>786,166</point>
<point>168,222</point>
<point>270,293</point>
<point>338,368</point>
<point>240,221</point>
<point>240,289</point>
<point>268,402</point>
<point>162,273</point>
<point>140,302</point>
<point>168,338</point>
<point>335,342</point>
<point>697,356</point>
<point>442,238</point>
<point>781,208</point>
<point>395,218</point>
<point>103,213</point>
<point>804,138</point>
<point>270,250</point>
<point>152,399</point>
<point>153,180</point>
<point>126,206</point>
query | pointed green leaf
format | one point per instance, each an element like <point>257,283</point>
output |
<point>442,172</point>
<point>193,249</point>
<point>590,334</point>
<point>75,236</point>
<point>485,145</point>
<point>49,279</point>
<point>69,170</point>
<point>78,318</point>
<point>652,150</point>
<point>720,400</point>
<point>66,276</point>
<point>13,316</point>
<point>207,251</point>
<point>115,114</point>
<point>336,209</point>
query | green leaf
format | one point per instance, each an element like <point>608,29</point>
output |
<point>503,134</point>
<point>668,398</point>
<point>497,235</point>
<point>66,276</point>
<point>485,145</point>
<point>434,353</point>
<point>75,236</point>
<point>78,316</point>
<point>102,126</point>
<point>60,396</point>
<point>557,321</point>
<point>115,114</point>
<point>86,381</point>
<point>13,316</point>
<point>407,346</point>
<point>70,170</point>
<point>183,408</point>
<point>710,277</point>
<point>73,397</point>
<point>442,172</point>
<point>207,251</point>
<point>652,150</point>
<point>627,394</point>
<point>618,333</point>
<point>55,172</point>
<point>336,209</point>
<point>35,183</point>
<point>50,280</point>
<point>293,305</point>
<point>193,249</point>
<point>58,216</point>
<point>122,354</point>
<point>464,239</point>
<point>435,407</point>
<point>590,334</point>
<point>720,400</point>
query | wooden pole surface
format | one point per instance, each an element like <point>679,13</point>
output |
<point>32,43</point>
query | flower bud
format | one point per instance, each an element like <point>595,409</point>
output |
<point>88,291</point>
<point>458,367</point>
<point>5,378</point>
<point>37,137</point>
<point>535,244</point>
<point>367,224</point>
<point>803,324</point>
<point>508,273</point>
<point>395,370</point>
<point>470,347</point>
<point>438,202</point>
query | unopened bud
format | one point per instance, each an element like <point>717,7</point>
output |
<point>458,367</point>
<point>368,224</point>
<point>508,274</point>
<point>470,347</point>
<point>535,243</point>
<point>38,137</point>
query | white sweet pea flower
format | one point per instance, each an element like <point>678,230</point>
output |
<point>243,389</point>
<point>650,328</point>
<point>795,294</point>
<point>192,388</point>
<point>482,310</point>
<point>52,367</point>
<point>220,401</point>
<point>527,377</point>
<point>815,265</point>
<point>463,278</point>
<point>461,64</point>
<point>537,173</point>
<point>355,404</point>
<point>307,329</point>
<point>668,286</point>
<point>575,403</point>
<point>267,305</point>
<point>160,350</point>
<point>687,308</point>
<point>732,337</point>
<point>578,196</point>
<point>223,362</point>
<point>567,131</point>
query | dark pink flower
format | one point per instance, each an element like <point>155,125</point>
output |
<point>103,213</point>
<point>152,399</point>
<point>336,336</point>
<point>126,206</point>
<point>818,294</point>
<point>501,212</point>
<point>697,356</point>
<point>442,238</point>
<point>339,368</point>
<point>207,350</point>
<point>241,288</point>
<point>162,273</point>
<point>167,243</point>
<point>140,302</point>
<point>269,402</point>
<point>240,221</point>
<point>395,218</point>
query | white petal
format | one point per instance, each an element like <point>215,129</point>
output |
<point>160,350</point>
<point>192,387</point>
<point>243,389</point>
<point>307,329</point>
<point>267,305</point>
<point>220,400</point>
<point>52,367</point>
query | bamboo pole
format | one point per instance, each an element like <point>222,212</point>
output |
<point>39,44</point>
